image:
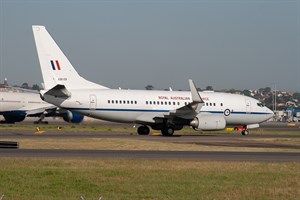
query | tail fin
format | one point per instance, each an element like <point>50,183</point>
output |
<point>55,66</point>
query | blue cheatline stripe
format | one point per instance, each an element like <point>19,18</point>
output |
<point>52,63</point>
<point>143,110</point>
<point>119,110</point>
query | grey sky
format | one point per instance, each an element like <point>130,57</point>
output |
<point>224,43</point>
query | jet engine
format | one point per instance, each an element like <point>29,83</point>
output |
<point>73,117</point>
<point>13,117</point>
<point>208,122</point>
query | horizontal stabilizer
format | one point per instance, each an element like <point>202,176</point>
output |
<point>58,91</point>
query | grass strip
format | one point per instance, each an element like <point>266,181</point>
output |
<point>136,144</point>
<point>146,179</point>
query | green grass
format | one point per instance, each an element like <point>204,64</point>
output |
<point>69,128</point>
<point>146,179</point>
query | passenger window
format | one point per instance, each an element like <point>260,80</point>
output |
<point>169,102</point>
<point>135,102</point>
<point>178,103</point>
<point>108,101</point>
<point>210,104</point>
<point>214,104</point>
<point>124,102</point>
<point>221,104</point>
<point>147,102</point>
<point>174,103</point>
<point>112,101</point>
<point>131,102</point>
<point>206,104</point>
<point>127,102</point>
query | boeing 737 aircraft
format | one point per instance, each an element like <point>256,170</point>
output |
<point>166,111</point>
<point>16,104</point>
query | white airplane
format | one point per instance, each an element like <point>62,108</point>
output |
<point>161,110</point>
<point>16,104</point>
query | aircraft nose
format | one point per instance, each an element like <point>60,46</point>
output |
<point>270,114</point>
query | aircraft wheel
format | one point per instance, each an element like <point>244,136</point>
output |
<point>245,132</point>
<point>167,131</point>
<point>143,130</point>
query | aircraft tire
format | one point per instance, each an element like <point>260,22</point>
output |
<point>245,132</point>
<point>143,130</point>
<point>167,131</point>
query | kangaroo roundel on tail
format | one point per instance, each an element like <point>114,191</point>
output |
<point>55,66</point>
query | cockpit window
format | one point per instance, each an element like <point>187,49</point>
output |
<point>260,104</point>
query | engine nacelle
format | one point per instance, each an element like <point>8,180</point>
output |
<point>14,117</point>
<point>73,117</point>
<point>208,122</point>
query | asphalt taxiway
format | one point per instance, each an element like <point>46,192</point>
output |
<point>250,141</point>
<point>198,155</point>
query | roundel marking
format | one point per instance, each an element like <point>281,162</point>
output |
<point>227,112</point>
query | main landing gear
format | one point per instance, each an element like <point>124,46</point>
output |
<point>143,130</point>
<point>40,120</point>
<point>167,131</point>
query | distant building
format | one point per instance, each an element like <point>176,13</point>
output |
<point>4,84</point>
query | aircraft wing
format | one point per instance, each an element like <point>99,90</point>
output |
<point>189,111</point>
<point>192,109</point>
<point>41,110</point>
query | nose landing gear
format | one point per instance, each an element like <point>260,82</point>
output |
<point>245,132</point>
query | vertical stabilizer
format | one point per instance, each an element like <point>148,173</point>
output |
<point>55,66</point>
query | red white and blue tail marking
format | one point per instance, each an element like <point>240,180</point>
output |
<point>55,64</point>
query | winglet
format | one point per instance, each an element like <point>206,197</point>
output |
<point>196,98</point>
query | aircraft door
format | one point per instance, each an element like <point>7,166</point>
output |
<point>93,102</point>
<point>248,106</point>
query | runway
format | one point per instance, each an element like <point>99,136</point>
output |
<point>106,154</point>
<point>212,140</point>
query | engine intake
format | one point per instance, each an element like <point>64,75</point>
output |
<point>73,117</point>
